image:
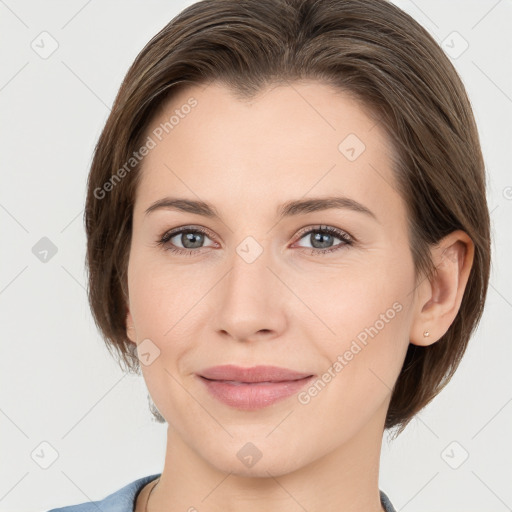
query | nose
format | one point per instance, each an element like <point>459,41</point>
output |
<point>251,301</point>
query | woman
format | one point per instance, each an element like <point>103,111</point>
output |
<point>287,226</point>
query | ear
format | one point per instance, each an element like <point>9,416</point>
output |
<point>437,301</point>
<point>130,327</point>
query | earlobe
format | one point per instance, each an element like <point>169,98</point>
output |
<point>438,300</point>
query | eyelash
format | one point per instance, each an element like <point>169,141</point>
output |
<point>337,233</point>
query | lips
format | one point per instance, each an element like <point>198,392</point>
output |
<point>252,388</point>
<point>261,374</point>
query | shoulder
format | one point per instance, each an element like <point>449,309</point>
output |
<point>386,502</point>
<point>121,500</point>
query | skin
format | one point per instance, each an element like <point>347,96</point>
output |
<point>288,308</point>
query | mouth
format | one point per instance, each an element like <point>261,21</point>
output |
<point>251,375</point>
<point>239,383</point>
<point>253,388</point>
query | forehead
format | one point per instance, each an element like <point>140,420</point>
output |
<point>289,141</point>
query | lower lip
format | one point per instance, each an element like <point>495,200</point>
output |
<point>255,395</point>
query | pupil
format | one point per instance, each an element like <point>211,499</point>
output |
<point>189,237</point>
<point>322,238</point>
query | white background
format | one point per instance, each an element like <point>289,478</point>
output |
<point>58,382</point>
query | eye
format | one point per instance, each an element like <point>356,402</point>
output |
<point>189,240</point>
<point>185,240</point>
<point>322,238</point>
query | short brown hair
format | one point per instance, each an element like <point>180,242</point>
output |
<point>369,49</point>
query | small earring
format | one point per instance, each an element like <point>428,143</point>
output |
<point>426,334</point>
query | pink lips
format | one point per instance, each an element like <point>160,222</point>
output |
<point>252,388</point>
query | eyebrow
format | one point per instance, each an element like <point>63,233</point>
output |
<point>288,209</point>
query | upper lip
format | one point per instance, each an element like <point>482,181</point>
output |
<point>253,374</point>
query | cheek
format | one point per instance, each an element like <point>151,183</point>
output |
<point>159,295</point>
<point>344,301</point>
<point>367,309</point>
<point>362,366</point>
<point>167,308</point>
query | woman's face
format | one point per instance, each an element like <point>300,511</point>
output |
<point>253,280</point>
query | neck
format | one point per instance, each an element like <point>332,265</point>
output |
<point>345,477</point>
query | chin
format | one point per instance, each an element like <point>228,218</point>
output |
<point>253,459</point>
